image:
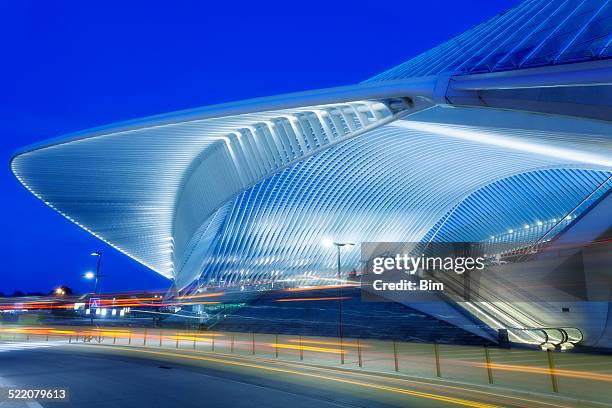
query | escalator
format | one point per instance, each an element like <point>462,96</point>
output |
<point>514,317</point>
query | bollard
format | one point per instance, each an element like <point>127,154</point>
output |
<point>194,342</point>
<point>160,338</point>
<point>213,344</point>
<point>488,363</point>
<point>437,354</point>
<point>341,350</point>
<point>232,345</point>
<point>276,346</point>
<point>301,350</point>
<point>551,367</point>
<point>253,343</point>
<point>115,339</point>
<point>177,339</point>
<point>359,353</point>
<point>395,360</point>
<point>47,337</point>
<point>70,339</point>
<point>145,337</point>
<point>130,339</point>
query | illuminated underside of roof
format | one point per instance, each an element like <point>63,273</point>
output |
<point>393,184</point>
<point>146,191</point>
<point>184,201</point>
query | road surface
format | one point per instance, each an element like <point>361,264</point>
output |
<point>108,376</point>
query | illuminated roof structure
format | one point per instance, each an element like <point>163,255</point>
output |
<point>494,135</point>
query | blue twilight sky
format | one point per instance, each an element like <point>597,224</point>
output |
<point>71,65</point>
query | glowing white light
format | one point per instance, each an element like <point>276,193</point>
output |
<point>89,275</point>
<point>502,140</point>
<point>327,242</point>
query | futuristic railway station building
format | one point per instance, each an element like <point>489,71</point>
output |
<point>502,134</point>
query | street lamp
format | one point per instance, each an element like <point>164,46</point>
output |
<point>97,276</point>
<point>328,243</point>
<point>99,255</point>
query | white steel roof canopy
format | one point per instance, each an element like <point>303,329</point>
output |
<point>149,187</point>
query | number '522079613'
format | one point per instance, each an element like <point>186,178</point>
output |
<point>37,394</point>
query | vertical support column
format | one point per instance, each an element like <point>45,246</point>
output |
<point>488,364</point>
<point>177,339</point>
<point>301,350</point>
<point>115,339</point>
<point>276,345</point>
<point>359,353</point>
<point>213,344</point>
<point>395,359</point>
<point>130,339</point>
<point>551,367</point>
<point>437,355</point>
<point>144,343</point>
<point>160,338</point>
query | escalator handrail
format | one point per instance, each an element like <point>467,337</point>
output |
<point>563,331</point>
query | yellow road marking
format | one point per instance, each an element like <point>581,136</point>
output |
<point>458,401</point>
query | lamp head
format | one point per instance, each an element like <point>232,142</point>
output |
<point>327,242</point>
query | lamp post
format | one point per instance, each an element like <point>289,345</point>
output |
<point>339,246</point>
<point>97,276</point>
<point>99,255</point>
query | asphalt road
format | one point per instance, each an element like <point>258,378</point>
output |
<point>109,376</point>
